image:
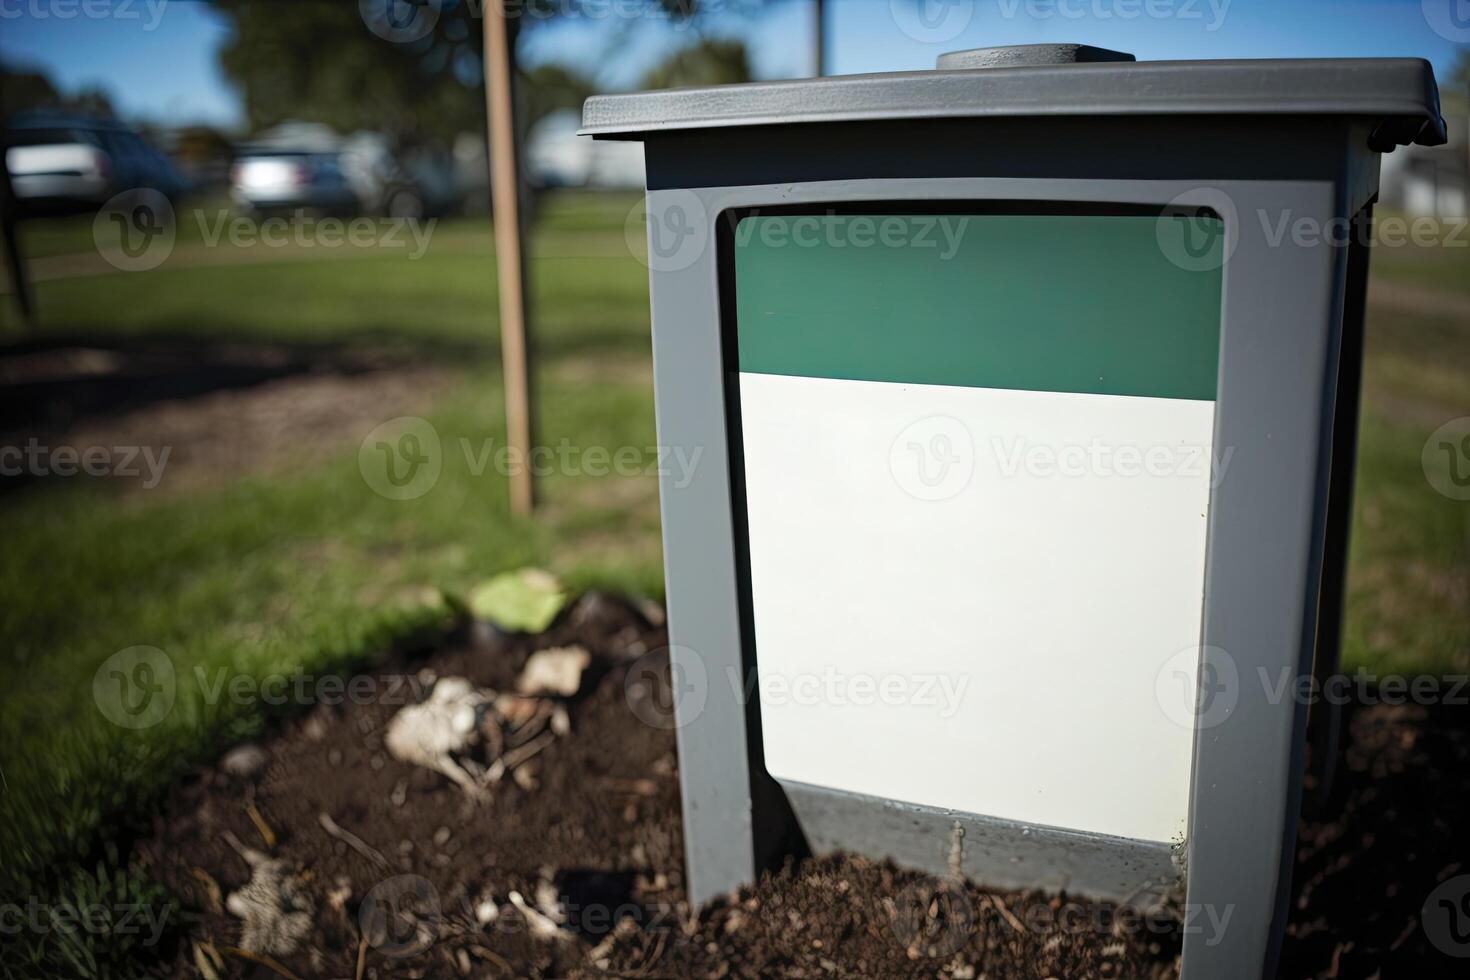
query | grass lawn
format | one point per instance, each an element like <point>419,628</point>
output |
<point>311,571</point>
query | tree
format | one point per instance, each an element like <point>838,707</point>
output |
<point>320,62</point>
<point>710,62</point>
<point>1457,92</point>
<point>22,90</point>
<point>549,88</point>
<point>410,68</point>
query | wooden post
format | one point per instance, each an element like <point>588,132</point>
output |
<point>15,262</point>
<point>505,202</point>
<point>819,37</point>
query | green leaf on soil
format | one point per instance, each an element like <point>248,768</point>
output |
<point>526,600</point>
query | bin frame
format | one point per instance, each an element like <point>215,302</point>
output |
<point>1282,328</point>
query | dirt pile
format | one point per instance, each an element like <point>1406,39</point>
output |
<point>573,867</point>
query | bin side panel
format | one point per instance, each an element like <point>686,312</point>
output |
<point>1265,554</point>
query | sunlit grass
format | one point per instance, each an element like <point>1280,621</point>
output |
<point>307,571</point>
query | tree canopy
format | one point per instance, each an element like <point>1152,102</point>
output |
<point>22,90</point>
<point>410,68</point>
<point>710,62</point>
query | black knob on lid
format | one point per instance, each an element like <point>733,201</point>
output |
<point>1022,55</point>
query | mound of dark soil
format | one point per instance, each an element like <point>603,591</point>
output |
<point>409,878</point>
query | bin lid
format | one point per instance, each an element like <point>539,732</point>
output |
<point>1397,95</point>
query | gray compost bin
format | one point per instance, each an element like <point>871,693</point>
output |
<point>1023,394</point>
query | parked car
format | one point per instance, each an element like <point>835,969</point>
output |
<point>273,180</point>
<point>557,157</point>
<point>62,163</point>
<point>307,165</point>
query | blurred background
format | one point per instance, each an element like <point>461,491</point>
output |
<point>189,399</point>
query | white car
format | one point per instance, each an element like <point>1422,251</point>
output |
<point>60,163</point>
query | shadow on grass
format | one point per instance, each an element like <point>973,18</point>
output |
<point>53,381</point>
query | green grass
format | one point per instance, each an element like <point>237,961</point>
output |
<point>1409,575</point>
<point>1423,252</point>
<point>590,292</point>
<point>266,576</point>
<point>310,571</point>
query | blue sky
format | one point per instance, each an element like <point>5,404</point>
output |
<point>157,58</point>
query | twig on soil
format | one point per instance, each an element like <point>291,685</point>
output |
<point>211,889</point>
<point>240,848</point>
<point>362,948</point>
<point>516,756</point>
<point>540,925</point>
<point>351,840</point>
<point>493,736</point>
<point>263,960</point>
<point>531,726</point>
<point>598,955</point>
<point>657,953</point>
<point>1000,907</point>
<point>207,960</point>
<point>266,834</point>
<point>630,787</point>
<point>492,958</point>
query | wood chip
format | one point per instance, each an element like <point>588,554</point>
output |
<point>557,670</point>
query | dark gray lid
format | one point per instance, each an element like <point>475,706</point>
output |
<point>1397,95</point>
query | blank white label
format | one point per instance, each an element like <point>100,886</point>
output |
<point>965,597</point>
